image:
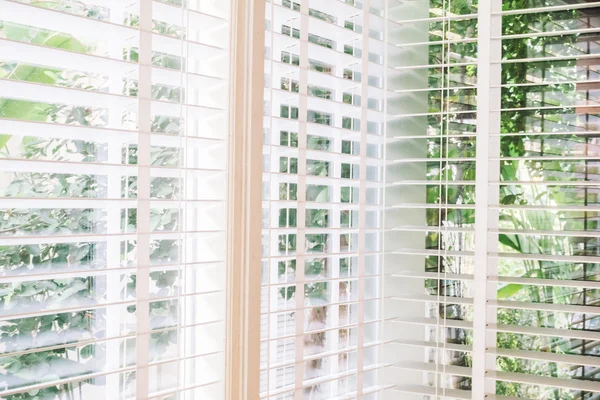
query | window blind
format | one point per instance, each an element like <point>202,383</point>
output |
<point>430,200</point>
<point>491,201</point>
<point>430,204</point>
<point>113,136</point>
<point>322,199</point>
<point>543,254</point>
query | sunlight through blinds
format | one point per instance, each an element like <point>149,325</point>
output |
<point>113,149</point>
<point>322,199</point>
<point>492,201</point>
<point>543,254</point>
<point>430,199</point>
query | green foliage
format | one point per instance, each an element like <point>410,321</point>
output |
<point>517,120</point>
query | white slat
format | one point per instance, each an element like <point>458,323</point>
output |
<point>573,359</point>
<point>552,332</point>
<point>563,383</point>
<point>438,393</point>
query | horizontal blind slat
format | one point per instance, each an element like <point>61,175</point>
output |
<point>573,384</point>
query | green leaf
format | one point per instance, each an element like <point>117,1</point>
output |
<point>14,367</point>
<point>289,293</point>
<point>75,287</point>
<point>509,290</point>
<point>87,351</point>
<point>47,285</point>
<point>4,140</point>
<point>29,289</point>
<point>508,199</point>
<point>508,241</point>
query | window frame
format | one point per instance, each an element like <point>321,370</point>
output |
<point>242,370</point>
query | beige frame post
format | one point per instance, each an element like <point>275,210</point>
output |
<point>244,214</point>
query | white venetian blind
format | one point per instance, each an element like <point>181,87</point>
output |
<point>113,148</point>
<point>322,199</point>
<point>543,255</point>
<point>492,200</point>
<point>430,199</point>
